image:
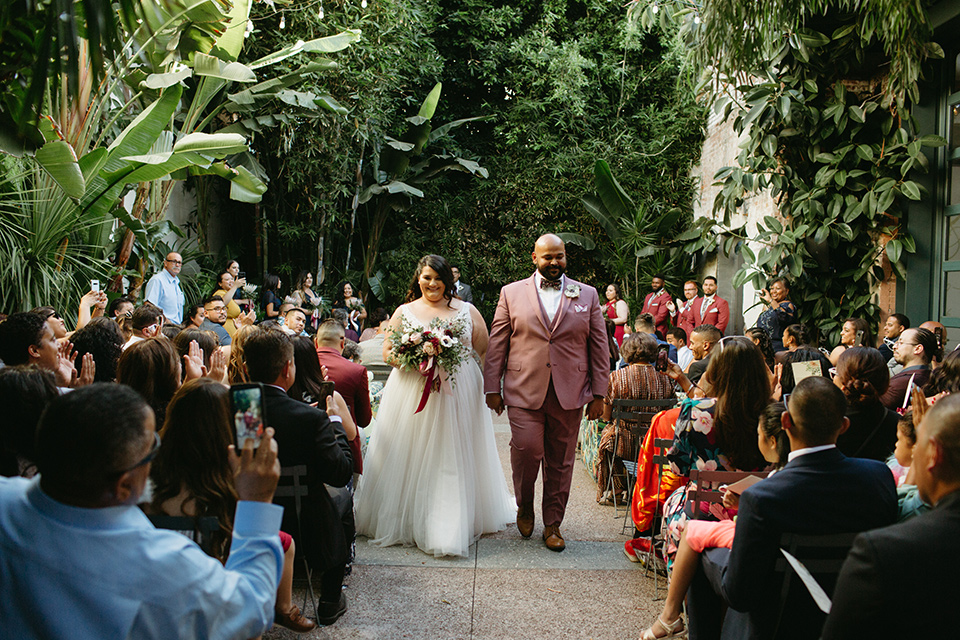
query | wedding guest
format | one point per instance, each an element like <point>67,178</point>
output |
<point>763,342</point>
<point>379,320</point>
<point>294,322</point>
<point>616,311</point>
<point>74,531</point>
<point>712,309</point>
<point>780,311</point>
<point>854,333</point>
<point>938,330</point>
<point>681,312</point>
<point>461,289</point>
<point>270,299</point>
<point>356,313</point>
<point>163,289</point>
<point>196,314</point>
<point>794,337</point>
<point>371,350</point>
<point>343,317</point>
<point>192,476</point>
<point>145,323</point>
<point>900,581</point>
<point>788,378</point>
<point>645,324</point>
<point>54,319</point>
<point>227,289</point>
<point>26,338</point>
<point>236,365</point>
<point>103,339</point>
<point>637,381</point>
<point>216,317</point>
<point>946,377</point>
<point>206,340</point>
<point>702,342</point>
<point>305,298</point>
<point>677,337</point>
<point>914,350</point>
<point>656,304</point>
<point>120,307</point>
<point>25,391</point>
<point>896,324</point>
<point>152,368</point>
<point>351,351</point>
<point>863,377</point>
<point>909,502</point>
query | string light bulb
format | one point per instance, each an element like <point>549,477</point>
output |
<point>283,21</point>
<point>654,8</point>
<point>320,13</point>
<point>363,4</point>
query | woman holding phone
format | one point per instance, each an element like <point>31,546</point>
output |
<point>854,333</point>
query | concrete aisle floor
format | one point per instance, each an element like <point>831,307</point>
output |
<point>507,588</point>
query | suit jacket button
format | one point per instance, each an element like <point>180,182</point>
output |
<point>548,365</point>
<point>551,342</point>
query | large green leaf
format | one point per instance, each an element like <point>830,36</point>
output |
<point>215,144</point>
<point>164,80</point>
<point>328,44</point>
<point>59,160</point>
<point>615,199</point>
<point>204,65</point>
<point>429,106</point>
<point>231,41</point>
<point>598,211</point>
<point>577,239</point>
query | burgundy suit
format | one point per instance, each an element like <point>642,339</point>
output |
<point>656,304</point>
<point>350,380</point>
<point>550,370</point>
<point>683,317</point>
<point>717,314</point>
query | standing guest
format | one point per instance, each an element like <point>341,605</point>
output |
<point>270,300</point>
<point>780,311</point>
<point>681,313</point>
<point>145,323</point>
<point>356,313</point>
<point>656,304</point>
<point>25,391</point>
<point>305,298</point>
<point>644,324</point>
<point>196,315</point>
<point>616,311</point>
<point>103,339</point>
<point>227,287</point>
<point>463,290</point>
<point>702,342</point>
<point>566,332</point>
<point>900,581</point>
<point>855,332</point>
<point>914,350</point>
<point>819,491</point>
<point>896,324</point>
<point>76,528</point>
<point>677,338</point>
<point>712,308</point>
<point>163,289</point>
<point>637,381</point>
<point>233,268</point>
<point>120,308</point>
<point>863,377</point>
<point>763,342</point>
<point>216,317</point>
<point>350,378</point>
<point>320,440</point>
<point>379,321</point>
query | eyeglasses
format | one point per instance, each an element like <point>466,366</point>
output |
<point>174,261</point>
<point>220,308</point>
<point>147,459</point>
<point>905,344</point>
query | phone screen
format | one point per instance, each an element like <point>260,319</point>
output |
<point>859,341</point>
<point>326,391</point>
<point>662,353</point>
<point>242,274</point>
<point>95,286</point>
<point>249,415</point>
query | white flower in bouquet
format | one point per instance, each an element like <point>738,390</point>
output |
<point>447,341</point>
<point>416,338</point>
<point>250,289</point>
<point>429,349</point>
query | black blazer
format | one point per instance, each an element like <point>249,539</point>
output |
<point>872,433</point>
<point>305,435</point>
<point>901,581</point>
<point>818,493</point>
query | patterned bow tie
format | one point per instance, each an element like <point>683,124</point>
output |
<point>549,284</point>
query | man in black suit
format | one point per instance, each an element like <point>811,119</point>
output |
<point>462,289</point>
<point>319,440</point>
<point>901,581</point>
<point>819,491</point>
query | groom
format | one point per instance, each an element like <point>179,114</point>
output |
<point>548,343</point>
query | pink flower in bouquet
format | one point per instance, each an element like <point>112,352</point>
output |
<point>416,338</point>
<point>429,349</point>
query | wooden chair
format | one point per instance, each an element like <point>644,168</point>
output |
<point>705,487</point>
<point>637,416</point>
<point>658,539</point>
<point>293,484</point>
<point>202,528</point>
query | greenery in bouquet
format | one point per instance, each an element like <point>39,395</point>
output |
<point>422,349</point>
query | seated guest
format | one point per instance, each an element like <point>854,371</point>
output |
<point>794,337</point>
<point>914,350</point>
<point>192,477</point>
<point>855,332</point>
<point>703,534</point>
<point>677,338</point>
<point>819,491</point>
<point>900,581</point>
<point>343,317</point>
<point>120,308</point>
<point>196,314</point>
<point>294,321</point>
<point>236,364</point>
<point>320,440</point>
<point>307,387</point>
<point>908,496</point>
<point>645,324</point>
<point>208,345</point>
<point>74,531</point>
<point>26,338</point>
<point>762,339</point>
<point>702,341</point>
<point>152,368</point>
<point>863,377</point>
<point>637,381</point>
<point>103,339</point>
<point>216,312</point>
<point>940,332</point>
<point>946,377</point>
<point>351,351</point>
<point>788,374</point>
<point>25,391</point>
<point>145,323</point>
<point>54,319</point>
<point>379,321</point>
<point>896,324</point>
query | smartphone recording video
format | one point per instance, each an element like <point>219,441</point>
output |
<point>249,415</point>
<point>95,286</point>
<point>662,352</point>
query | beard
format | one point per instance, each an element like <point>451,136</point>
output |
<point>551,272</point>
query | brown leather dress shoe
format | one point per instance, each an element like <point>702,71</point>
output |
<point>293,620</point>
<point>552,538</point>
<point>525,520</point>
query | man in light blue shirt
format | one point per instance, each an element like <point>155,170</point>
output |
<point>164,290</point>
<point>79,560</point>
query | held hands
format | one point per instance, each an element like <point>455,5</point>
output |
<point>495,402</point>
<point>256,472</point>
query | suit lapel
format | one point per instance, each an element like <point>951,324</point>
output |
<point>534,300</point>
<point>564,303</point>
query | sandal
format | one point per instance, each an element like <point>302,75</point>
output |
<point>673,630</point>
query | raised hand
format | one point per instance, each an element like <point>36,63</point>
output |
<point>88,371</point>
<point>66,370</point>
<point>218,366</point>
<point>193,362</point>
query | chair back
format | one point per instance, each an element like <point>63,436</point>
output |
<point>660,448</point>
<point>293,484</point>
<point>638,414</point>
<point>380,371</point>
<point>705,487</point>
<point>203,528</point>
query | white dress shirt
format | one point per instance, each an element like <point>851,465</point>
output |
<point>549,297</point>
<point>809,450</point>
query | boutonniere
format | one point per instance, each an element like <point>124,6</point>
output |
<point>572,291</point>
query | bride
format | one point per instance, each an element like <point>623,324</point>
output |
<point>433,478</point>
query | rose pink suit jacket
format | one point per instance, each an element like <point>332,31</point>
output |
<point>717,314</point>
<point>526,351</point>
<point>656,305</point>
<point>684,319</point>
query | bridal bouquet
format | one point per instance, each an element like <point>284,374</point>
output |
<point>435,351</point>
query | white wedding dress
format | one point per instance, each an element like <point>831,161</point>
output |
<point>433,479</point>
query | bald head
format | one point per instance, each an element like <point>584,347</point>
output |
<point>936,456</point>
<point>550,256</point>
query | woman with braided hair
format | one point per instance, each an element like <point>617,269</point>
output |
<point>863,377</point>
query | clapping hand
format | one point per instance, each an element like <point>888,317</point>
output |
<point>66,370</point>
<point>218,365</point>
<point>88,371</point>
<point>193,362</point>
<point>672,308</point>
<point>337,406</point>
